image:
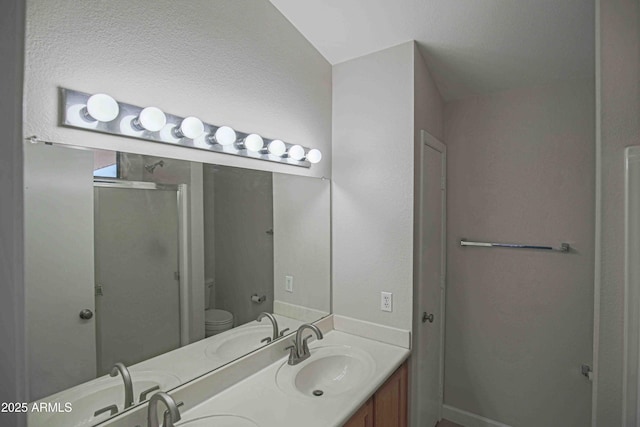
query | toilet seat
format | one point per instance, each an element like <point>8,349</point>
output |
<point>217,321</point>
<point>215,316</point>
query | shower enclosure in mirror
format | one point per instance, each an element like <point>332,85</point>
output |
<point>159,269</point>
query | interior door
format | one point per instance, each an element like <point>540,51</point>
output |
<point>428,379</point>
<point>137,277</point>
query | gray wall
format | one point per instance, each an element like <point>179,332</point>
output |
<point>302,240</point>
<point>239,63</point>
<point>12,351</point>
<point>243,251</point>
<point>618,65</point>
<point>372,190</point>
<point>518,323</point>
<point>380,103</point>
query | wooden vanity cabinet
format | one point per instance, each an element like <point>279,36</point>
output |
<point>387,407</point>
<point>364,416</point>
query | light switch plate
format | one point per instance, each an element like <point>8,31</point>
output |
<point>288,283</point>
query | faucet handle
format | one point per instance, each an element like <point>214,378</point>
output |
<point>113,409</point>
<point>266,340</point>
<point>283,331</point>
<point>293,353</point>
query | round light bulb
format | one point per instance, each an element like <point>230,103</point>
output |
<point>225,135</point>
<point>314,155</point>
<point>253,142</point>
<point>151,119</point>
<point>102,107</point>
<point>296,152</point>
<point>277,147</point>
<point>191,128</point>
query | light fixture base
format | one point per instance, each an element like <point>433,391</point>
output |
<point>71,99</point>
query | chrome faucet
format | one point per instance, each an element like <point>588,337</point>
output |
<point>274,323</point>
<point>299,351</point>
<point>119,368</point>
<point>173,415</point>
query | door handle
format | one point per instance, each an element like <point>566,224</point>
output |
<point>86,314</point>
<point>426,317</point>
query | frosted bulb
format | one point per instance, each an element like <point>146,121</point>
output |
<point>102,107</point>
<point>253,142</point>
<point>151,119</point>
<point>225,135</point>
<point>296,152</point>
<point>191,128</point>
<point>314,155</point>
<point>277,147</point>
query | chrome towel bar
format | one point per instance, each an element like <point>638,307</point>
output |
<point>564,247</point>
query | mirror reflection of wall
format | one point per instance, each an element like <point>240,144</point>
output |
<point>238,226</point>
<point>167,255</point>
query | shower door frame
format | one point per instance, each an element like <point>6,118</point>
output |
<point>182,206</point>
<point>631,352</point>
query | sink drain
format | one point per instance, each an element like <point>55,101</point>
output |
<point>318,392</point>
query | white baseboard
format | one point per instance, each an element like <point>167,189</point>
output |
<point>467,419</point>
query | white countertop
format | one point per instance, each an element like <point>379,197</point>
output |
<point>248,387</point>
<point>259,398</point>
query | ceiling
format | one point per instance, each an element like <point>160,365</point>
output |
<point>471,46</point>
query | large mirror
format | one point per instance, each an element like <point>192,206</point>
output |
<point>160,270</point>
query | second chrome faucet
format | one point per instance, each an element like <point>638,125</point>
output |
<point>274,323</point>
<point>299,351</point>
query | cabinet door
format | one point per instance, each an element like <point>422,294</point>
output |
<point>364,416</point>
<point>390,401</point>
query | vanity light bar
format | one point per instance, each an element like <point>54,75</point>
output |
<point>102,113</point>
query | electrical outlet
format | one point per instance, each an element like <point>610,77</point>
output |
<point>288,283</point>
<point>386,301</point>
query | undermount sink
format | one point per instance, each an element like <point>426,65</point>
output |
<point>87,398</point>
<point>219,421</point>
<point>239,342</point>
<point>330,371</point>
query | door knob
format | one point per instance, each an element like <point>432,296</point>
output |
<point>86,314</point>
<point>426,317</point>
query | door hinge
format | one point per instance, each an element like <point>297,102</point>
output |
<point>443,183</point>
<point>99,290</point>
<point>176,275</point>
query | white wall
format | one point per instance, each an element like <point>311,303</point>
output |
<point>372,192</point>
<point>302,240</point>
<point>618,68</point>
<point>243,262</point>
<point>239,63</point>
<point>518,323</point>
<point>12,351</point>
<point>380,102</point>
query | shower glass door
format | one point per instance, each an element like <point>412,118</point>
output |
<point>136,271</point>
